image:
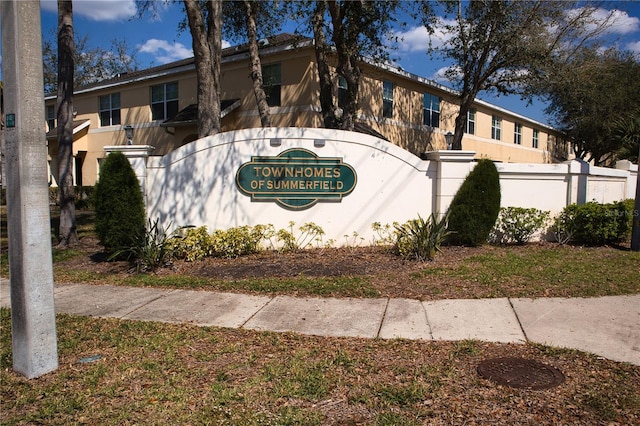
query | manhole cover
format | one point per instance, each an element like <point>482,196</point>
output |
<point>520,373</point>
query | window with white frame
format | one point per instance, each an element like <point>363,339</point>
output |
<point>387,99</point>
<point>51,117</point>
<point>431,110</point>
<point>109,106</point>
<point>536,138</point>
<point>517,134</point>
<point>164,101</point>
<point>471,122</point>
<point>496,124</point>
<point>272,83</point>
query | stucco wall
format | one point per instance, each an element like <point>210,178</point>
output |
<point>196,184</point>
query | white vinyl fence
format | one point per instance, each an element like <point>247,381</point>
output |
<point>282,168</point>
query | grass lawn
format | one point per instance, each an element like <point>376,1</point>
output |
<point>115,372</point>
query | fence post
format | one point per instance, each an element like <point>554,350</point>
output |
<point>137,156</point>
<point>453,167</point>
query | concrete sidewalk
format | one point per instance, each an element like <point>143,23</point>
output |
<point>606,326</point>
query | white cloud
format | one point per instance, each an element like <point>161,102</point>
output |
<point>98,10</point>
<point>612,21</point>
<point>634,47</point>
<point>165,51</point>
<point>442,75</point>
<point>621,22</point>
<point>417,39</point>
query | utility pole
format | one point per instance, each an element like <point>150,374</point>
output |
<point>33,325</point>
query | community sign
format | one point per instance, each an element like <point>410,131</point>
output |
<point>296,179</point>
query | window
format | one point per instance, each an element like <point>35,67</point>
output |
<point>431,110</point>
<point>51,117</point>
<point>164,101</point>
<point>110,109</point>
<point>471,122</point>
<point>517,134</point>
<point>496,123</point>
<point>387,99</point>
<point>272,83</point>
<point>536,138</point>
<point>342,91</point>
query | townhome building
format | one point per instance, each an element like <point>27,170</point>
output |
<point>158,107</point>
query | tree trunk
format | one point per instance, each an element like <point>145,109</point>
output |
<point>66,47</point>
<point>327,104</point>
<point>256,66</point>
<point>347,67</point>
<point>207,46</point>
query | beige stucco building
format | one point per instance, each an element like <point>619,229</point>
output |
<point>409,111</point>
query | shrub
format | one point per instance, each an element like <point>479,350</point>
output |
<point>421,239</point>
<point>119,208</point>
<point>286,240</point>
<point>238,241</point>
<point>517,224</point>
<point>150,251</point>
<point>191,243</point>
<point>474,209</point>
<point>594,223</point>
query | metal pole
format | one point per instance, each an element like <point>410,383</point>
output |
<point>33,325</point>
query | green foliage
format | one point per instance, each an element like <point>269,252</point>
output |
<point>517,224</point>
<point>594,223</point>
<point>287,241</point>
<point>386,234</point>
<point>475,207</point>
<point>238,241</point>
<point>191,243</point>
<point>119,208</point>
<point>590,85</point>
<point>83,196</point>
<point>152,250</point>
<point>421,239</point>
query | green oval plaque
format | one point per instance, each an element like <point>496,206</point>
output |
<point>296,179</point>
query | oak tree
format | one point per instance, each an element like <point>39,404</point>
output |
<point>504,46</point>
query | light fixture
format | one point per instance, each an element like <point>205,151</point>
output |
<point>275,141</point>
<point>128,131</point>
<point>449,138</point>
<point>318,143</point>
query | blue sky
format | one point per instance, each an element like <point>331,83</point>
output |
<point>157,40</point>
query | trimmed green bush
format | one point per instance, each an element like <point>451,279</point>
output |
<point>594,223</point>
<point>475,207</point>
<point>517,225</point>
<point>119,207</point>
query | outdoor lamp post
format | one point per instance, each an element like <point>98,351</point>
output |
<point>449,138</point>
<point>128,131</point>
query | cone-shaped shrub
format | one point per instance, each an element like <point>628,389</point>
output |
<point>120,215</point>
<point>475,207</point>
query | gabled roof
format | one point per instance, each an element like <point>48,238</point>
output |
<point>189,116</point>
<point>77,126</point>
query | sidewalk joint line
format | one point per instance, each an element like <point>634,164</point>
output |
<point>426,317</point>
<point>271,299</point>
<point>384,316</point>
<point>513,308</point>
<point>160,296</point>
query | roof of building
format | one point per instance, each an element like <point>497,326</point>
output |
<point>268,45</point>
<point>189,115</point>
<point>284,39</point>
